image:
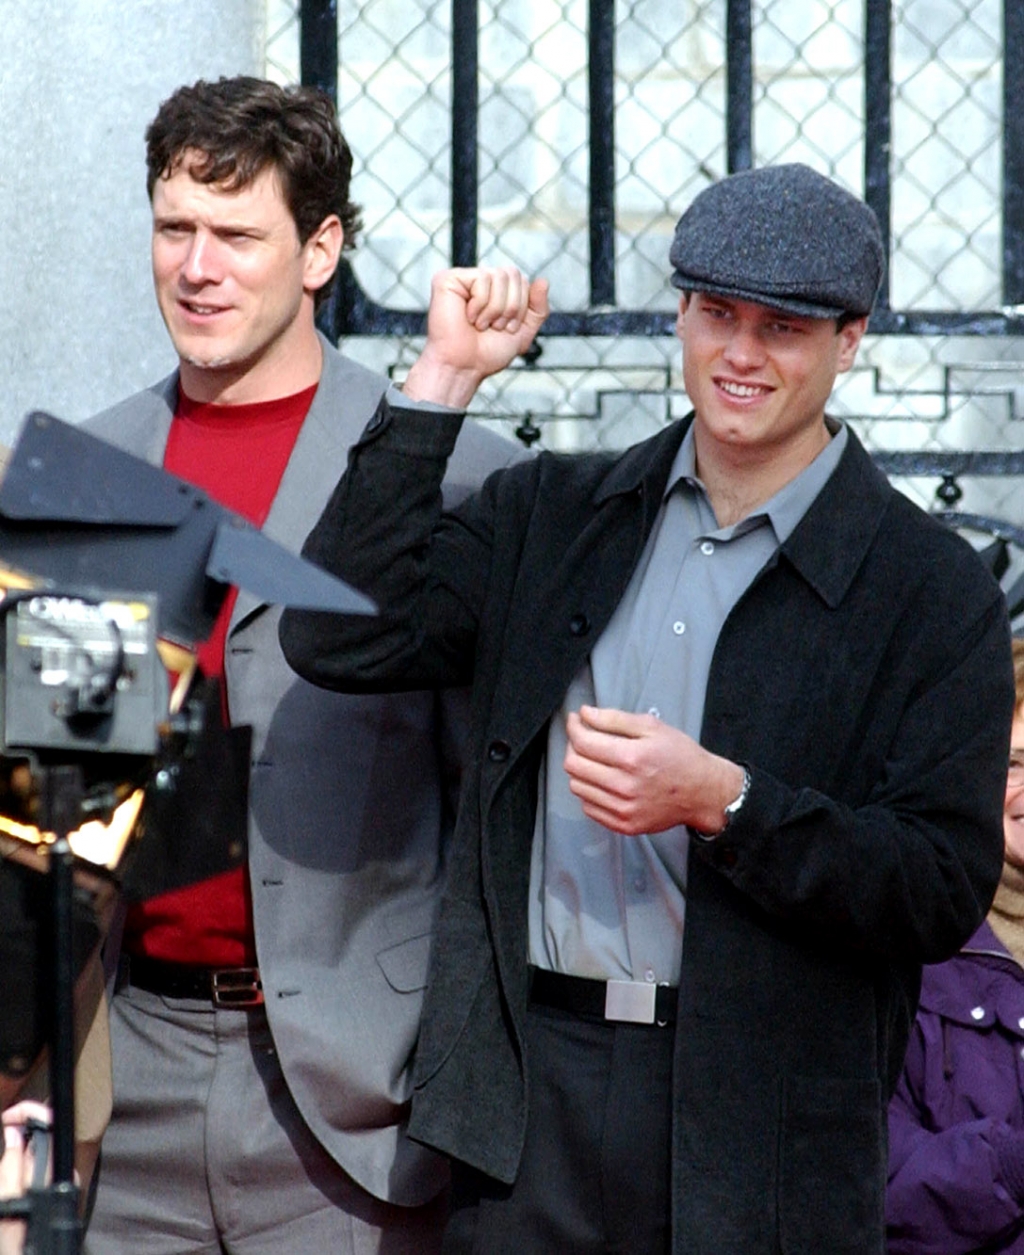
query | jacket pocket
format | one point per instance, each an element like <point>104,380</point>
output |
<point>405,964</point>
<point>831,1170</point>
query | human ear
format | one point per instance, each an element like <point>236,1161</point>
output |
<point>850,336</point>
<point>322,251</point>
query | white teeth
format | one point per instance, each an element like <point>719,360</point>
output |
<point>740,389</point>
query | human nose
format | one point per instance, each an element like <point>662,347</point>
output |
<point>200,263</point>
<point>743,347</point>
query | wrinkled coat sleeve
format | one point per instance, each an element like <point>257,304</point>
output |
<point>874,818</point>
<point>953,1190</point>
<point>429,578</point>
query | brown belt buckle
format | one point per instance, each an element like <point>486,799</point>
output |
<point>237,987</point>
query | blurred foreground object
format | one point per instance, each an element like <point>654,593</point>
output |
<point>87,671</point>
<point>113,572</point>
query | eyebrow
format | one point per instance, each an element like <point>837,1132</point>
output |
<point>221,228</point>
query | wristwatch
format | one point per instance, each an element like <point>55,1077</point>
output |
<point>730,811</point>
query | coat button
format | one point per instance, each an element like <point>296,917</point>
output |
<point>376,421</point>
<point>726,856</point>
<point>498,751</point>
<point>579,625</point>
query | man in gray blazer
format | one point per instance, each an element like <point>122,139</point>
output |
<point>266,1018</point>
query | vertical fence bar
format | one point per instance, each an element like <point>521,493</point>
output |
<point>351,312</point>
<point>878,124</point>
<point>601,84</point>
<point>465,104</point>
<point>1013,154</point>
<point>739,85</point>
<point>318,67</point>
<point>318,45</point>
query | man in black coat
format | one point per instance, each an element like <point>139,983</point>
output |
<point>739,733</point>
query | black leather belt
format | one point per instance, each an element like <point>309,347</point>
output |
<point>620,1001</point>
<point>222,986</point>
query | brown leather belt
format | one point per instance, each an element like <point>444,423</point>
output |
<point>618,1001</point>
<point>221,986</point>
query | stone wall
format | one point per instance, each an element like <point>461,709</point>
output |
<point>79,81</point>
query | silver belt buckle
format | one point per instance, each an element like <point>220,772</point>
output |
<point>237,987</point>
<point>630,1000</point>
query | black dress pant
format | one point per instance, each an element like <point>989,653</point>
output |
<point>594,1177</point>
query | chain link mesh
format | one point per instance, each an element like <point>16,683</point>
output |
<point>907,393</point>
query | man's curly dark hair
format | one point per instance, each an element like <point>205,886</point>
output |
<point>234,129</point>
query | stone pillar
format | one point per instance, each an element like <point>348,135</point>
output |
<point>79,82</point>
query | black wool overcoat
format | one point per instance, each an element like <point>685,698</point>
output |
<point>864,678</point>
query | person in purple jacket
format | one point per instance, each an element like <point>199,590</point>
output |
<point>956,1121</point>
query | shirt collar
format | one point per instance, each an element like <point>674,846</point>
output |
<point>787,507</point>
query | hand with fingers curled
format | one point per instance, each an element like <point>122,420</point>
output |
<point>635,774</point>
<point>480,319</point>
<point>24,1163</point>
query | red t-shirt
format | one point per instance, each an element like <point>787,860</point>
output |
<point>237,454</point>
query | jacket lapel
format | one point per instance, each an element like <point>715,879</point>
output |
<point>831,541</point>
<point>141,424</point>
<point>343,404</point>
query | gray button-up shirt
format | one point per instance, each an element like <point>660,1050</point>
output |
<point>610,906</point>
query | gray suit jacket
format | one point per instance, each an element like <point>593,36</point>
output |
<point>351,803</point>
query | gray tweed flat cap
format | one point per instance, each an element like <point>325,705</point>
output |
<point>783,236</point>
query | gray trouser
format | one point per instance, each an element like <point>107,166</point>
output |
<point>207,1153</point>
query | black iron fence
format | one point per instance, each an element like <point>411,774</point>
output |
<point>463,22</point>
<point>567,135</point>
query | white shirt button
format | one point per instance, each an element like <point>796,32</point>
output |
<point>649,976</point>
<point>707,548</point>
<point>978,1013</point>
<point>653,710</point>
<point>679,627</point>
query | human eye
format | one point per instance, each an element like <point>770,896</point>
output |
<point>718,313</point>
<point>238,236</point>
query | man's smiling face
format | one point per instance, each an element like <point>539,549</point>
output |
<point>759,378</point>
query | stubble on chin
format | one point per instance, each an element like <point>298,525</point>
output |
<point>206,363</point>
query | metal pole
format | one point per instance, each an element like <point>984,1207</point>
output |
<point>601,81</point>
<point>318,45</point>
<point>62,794</point>
<point>1013,154</point>
<point>465,105</point>
<point>739,85</point>
<point>878,125</point>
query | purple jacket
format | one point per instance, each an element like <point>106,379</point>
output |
<point>956,1121</point>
